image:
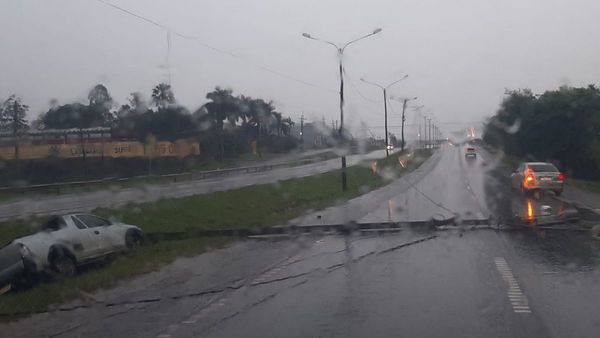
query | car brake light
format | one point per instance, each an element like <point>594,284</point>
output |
<point>561,176</point>
<point>529,177</point>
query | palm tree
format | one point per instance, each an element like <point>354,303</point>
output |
<point>286,126</point>
<point>222,106</point>
<point>162,95</point>
<point>12,118</point>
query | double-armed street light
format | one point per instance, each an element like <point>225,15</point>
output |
<point>384,89</point>
<point>340,51</point>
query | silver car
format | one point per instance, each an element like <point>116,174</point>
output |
<point>531,176</point>
<point>70,240</point>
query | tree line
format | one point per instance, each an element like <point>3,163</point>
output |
<point>560,126</point>
<point>225,126</point>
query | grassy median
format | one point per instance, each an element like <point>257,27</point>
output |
<point>249,207</point>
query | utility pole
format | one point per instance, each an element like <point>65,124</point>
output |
<point>404,101</point>
<point>430,139</point>
<point>403,119</point>
<point>15,125</point>
<point>302,131</point>
<point>419,134</point>
<point>425,131</point>
<point>384,89</point>
<point>387,150</point>
<point>340,51</point>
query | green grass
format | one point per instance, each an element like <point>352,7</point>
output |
<point>256,206</point>
<point>249,207</point>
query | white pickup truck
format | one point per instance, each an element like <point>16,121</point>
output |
<point>67,241</point>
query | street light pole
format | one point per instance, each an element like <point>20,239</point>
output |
<point>418,110</point>
<point>430,139</point>
<point>404,118</point>
<point>419,134</point>
<point>340,51</point>
<point>404,101</point>
<point>384,89</point>
<point>387,150</point>
<point>425,130</point>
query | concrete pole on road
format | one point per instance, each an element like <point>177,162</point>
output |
<point>340,51</point>
<point>302,131</point>
<point>385,88</point>
<point>425,131</point>
<point>430,139</point>
<point>403,101</point>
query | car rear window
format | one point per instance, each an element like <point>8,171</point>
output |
<point>543,168</point>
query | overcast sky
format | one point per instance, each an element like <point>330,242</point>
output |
<point>460,55</point>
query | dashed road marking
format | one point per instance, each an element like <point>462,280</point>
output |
<point>518,300</point>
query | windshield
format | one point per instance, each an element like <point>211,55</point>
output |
<point>270,168</point>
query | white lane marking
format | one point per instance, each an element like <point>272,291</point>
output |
<point>517,299</point>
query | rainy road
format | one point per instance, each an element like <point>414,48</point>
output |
<point>417,282</point>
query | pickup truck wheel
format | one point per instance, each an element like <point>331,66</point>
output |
<point>63,263</point>
<point>133,239</point>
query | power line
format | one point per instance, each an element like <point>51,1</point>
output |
<point>133,14</point>
<point>358,91</point>
<point>215,49</point>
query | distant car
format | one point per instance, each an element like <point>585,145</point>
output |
<point>470,152</point>
<point>531,176</point>
<point>65,242</point>
<point>390,147</point>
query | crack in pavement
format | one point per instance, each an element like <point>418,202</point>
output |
<point>249,307</point>
<point>327,270</point>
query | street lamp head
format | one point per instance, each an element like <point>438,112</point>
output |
<point>377,30</point>
<point>414,98</point>
<point>306,35</point>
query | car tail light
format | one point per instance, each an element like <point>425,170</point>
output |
<point>529,177</point>
<point>561,176</point>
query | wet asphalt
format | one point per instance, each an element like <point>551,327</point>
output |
<point>523,279</point>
